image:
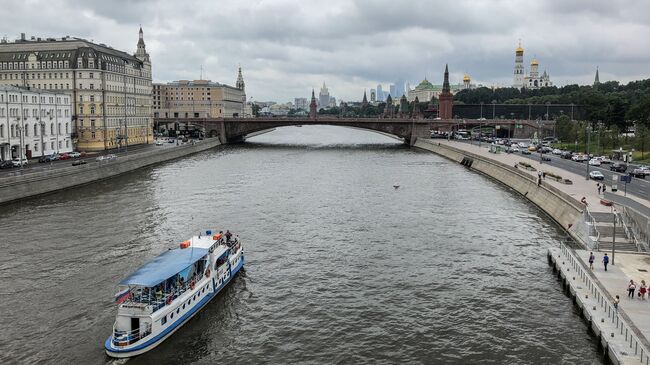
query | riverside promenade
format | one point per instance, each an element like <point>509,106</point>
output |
<point>623,331</point>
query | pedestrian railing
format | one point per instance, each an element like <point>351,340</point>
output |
<point>591,234</point>
<point>634,339</point>
<point>637,227</point>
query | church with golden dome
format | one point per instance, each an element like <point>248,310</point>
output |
<point>533,80</point>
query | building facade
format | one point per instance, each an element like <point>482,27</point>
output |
<point>34,123</point>
<point>301,103</point>
<point>110,90</point>
<point>200,99</point>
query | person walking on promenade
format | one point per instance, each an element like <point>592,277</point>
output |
<point>592,258</point>
<point>631,287</point>
<point>539,178</point>
<point>598,185</point>
<point>616,301</point>
<point>642,290</point>
<point>584,201</point>
<point>605,261</point>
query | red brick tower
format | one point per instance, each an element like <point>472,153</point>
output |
<point>312,106</point>
<point>446,99</point>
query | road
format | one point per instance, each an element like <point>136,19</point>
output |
<point>639,187</point>
<point>35,166</point>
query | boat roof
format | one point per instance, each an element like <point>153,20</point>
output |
<point>165,266</point>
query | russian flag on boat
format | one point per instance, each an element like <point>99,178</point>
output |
<point>121,296</point>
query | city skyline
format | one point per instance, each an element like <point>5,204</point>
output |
<point>286,48</point>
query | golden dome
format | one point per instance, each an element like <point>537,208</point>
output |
<point>534,62</point>
<point>466,78</point>
<point>519,50</point>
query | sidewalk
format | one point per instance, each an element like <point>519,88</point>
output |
<point>580,187</point>
<point>615,279</point>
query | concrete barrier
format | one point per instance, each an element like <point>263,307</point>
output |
<point>563,208</point>
<point>17,187</point>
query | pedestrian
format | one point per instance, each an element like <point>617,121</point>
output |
<point>598,185</point>
<point>544,175</point>
<point>605,261</point>
<point>643,289</point>
<point>228,235</point>
<point>631,287</point>
<point>616,301</point>
<point>584,201</point>
<point>592,258</point>
<point>539,178</point>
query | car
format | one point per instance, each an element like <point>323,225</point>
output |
<point>79,162</point>
<point>556,152</point>
<point>523,144</point>
<point>170,141</point>
<point>74,154</point>
<point>605,159</point>
<point>618,167</point>
<point>594,162</point>
<point>64,156</point>
<point>596,175</point>
<point>566,155</point>
<point>43,159</point>
<point>580,158</point>
<point>159,142</point>
<point>6,165</point>
<point>106,158</point>
<point>17,162</point>
<point>532,148</point>
<point>525,152</point>
<point>641,171</point>
<point>546,158</point>
<point>513,148</point>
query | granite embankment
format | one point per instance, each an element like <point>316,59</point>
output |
<point>563,208</point>
<point>18,187</point>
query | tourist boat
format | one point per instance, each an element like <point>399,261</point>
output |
<point>165,293</point>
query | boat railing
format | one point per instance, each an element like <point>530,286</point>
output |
<point>125,338</point>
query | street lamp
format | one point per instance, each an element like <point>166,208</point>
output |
<point>539,136</point>
<point>42,125</point>
<point>588,130</point>
<point>20,129</point>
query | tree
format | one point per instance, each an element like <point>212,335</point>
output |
<point>256,110</point>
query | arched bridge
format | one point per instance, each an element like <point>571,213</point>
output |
<point>236,129</point>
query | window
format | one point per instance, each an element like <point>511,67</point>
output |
<point>52,130</point>
<point>35,130</point>
<point>26,130</point>
<point>66,128</point>
<point>67,143</point>
<point>59,144</point>
<point>52,145</point>
<point>92,86</point>
<point>163,320</point>
<point>35,147</point>
<point>58,129</point>
<point>2,131</point>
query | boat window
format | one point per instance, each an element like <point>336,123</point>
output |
<point>171,316</point>
<point>177,309</point>
<point>189,301</point>
<point>163,320</point>
<point>183,305</point>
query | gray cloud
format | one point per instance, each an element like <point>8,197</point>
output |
<point>288,47</point>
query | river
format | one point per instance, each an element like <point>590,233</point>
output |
<point>341,267</point>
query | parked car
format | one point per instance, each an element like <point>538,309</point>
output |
<point>170,141</point>
<point>79,162</point>
<point>532,148</point>
<point>523,144</point>
<point>513,148</point>
<point>546,158</point>
<point>6,165</point>
<point>580,158</point>
<point>525,152</point>
<point>19,162</point>
<point>64,156</point>
<point>566,155</point>
<point>74,154</point>
<point>106,158</point>
<point>159,142</point>
<point>596,175</point>
<point>557,152</point>
<point>43,158</point>
<point>641,171</point>
<point>618,167</point>
<point>594,162</point>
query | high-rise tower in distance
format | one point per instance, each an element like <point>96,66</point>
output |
<point>519,67</point>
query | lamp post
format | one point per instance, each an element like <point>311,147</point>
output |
<point>51,117</point>
<point>41,123</point>
<point>588,130</point>
<point>20,129</point>
<point>539,135</point>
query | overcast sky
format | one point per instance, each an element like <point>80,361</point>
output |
<point>288,47</point>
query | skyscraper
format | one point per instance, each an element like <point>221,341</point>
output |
<point>373,95</point>
<point>324,97</point>
<point>380,93</point>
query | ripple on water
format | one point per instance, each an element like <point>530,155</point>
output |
<point>341,267</point>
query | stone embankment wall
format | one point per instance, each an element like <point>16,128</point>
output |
<point>30,184</point>
<point>563,208</point>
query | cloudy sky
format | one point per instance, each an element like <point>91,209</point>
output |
<point>288,47</point>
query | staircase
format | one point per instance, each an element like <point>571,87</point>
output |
<point>604,225</point>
